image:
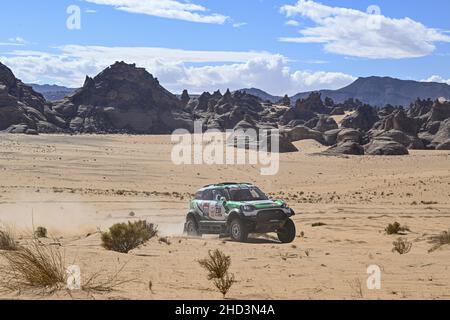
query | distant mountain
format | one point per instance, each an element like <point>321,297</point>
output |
<point>264,96</point>
<point>379,91</point>
<point>52,92</point>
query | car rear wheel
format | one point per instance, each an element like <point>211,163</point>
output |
<point>238,231</point>
<point>288,232</point>
<point>191,227</point>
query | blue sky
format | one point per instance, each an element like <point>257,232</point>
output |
<point>281,46</point>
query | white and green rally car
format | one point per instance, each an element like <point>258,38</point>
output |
<point>236,210</point>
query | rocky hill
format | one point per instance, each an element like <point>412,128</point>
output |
<point>264,96</point>
<point>22,110</point>
<point>380,91</point>
<point>123,98</point>
<point>52,92</point>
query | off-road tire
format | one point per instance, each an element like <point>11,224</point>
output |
<point>288,232</point>
<point>238,230</point>
<point>191,228</point>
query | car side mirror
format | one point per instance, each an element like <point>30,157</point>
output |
<point>223,200</point>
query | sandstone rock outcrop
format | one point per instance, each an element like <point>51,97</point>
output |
<point>363,119</point>
<point>385,147</point>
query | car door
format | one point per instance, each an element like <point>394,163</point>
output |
<point>206,204</point>
<point>219,212</point>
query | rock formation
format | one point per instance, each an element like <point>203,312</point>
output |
<point>22,110</point>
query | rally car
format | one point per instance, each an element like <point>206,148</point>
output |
<point>236,210</point>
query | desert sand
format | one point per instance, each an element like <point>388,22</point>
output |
<point>79,185</point>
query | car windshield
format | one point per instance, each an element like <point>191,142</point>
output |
<point>247,194</point>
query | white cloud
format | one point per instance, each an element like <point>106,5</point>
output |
<point>170,9</point>
<point>292,23</point>
<point>438,79</point>
<point>355,33</point>
<point>176,69</point>
<point>16,41</point>
<point>239,24</point>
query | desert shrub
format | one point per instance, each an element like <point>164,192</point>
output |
<point>100,283</point>
<point>33,266</point>
<point>124,237</point>
<point>396,228</point>
<point>217,265</point>
<point>7,241</point>
<point>440,240</point>
<point>40,232</point>
<point>36,266</point>
<point>402,246</point>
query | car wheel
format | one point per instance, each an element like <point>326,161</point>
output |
<point>238,231</point>
<point>191,228</point>
<point>288,232</point>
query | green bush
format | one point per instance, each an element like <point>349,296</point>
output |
<point>217,265</point>
<point>124,237</point>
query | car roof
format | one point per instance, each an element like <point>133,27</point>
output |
<point>225,185</point>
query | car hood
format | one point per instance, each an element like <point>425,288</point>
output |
<point>260,204</point>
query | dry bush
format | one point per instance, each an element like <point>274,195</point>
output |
<point>396,228</point>
<point>40,232</point>
<point>440,240</point>
<point>217,265</point>
<point>7,241</point>
<point>124,237</point>
<point>101,284</point>
<point>36,266</point>
<point>402,246</point>
<point>33,266</point>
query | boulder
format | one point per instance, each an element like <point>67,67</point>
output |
<point>409,142</point>
<point>330,136</point>
<point>363,118</point>
<point>398,120</point>
<point>349,135</point>
<point>440,111</point>
<point>304,133</point>
<point>326,124</point>
<point>385,147</point>
<point>284,144</point>
<point>443,134</point>
<point>347,148</point>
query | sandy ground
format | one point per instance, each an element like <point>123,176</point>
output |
<point>77,185</point>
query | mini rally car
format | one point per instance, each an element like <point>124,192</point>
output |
<point>236,210</point>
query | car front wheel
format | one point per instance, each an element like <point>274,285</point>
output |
<point>288,232</point>
<point>238,231</point>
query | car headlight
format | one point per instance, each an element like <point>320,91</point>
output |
<point>248,208</point>
<point>284,205</point>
